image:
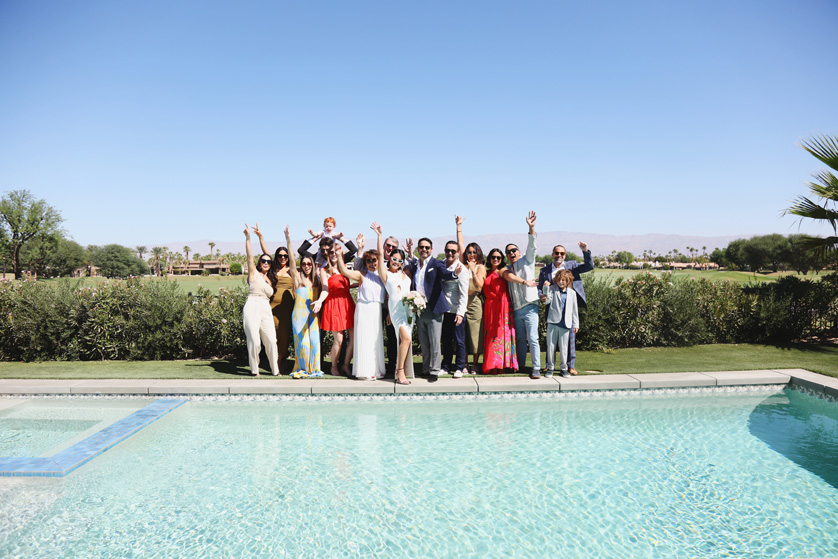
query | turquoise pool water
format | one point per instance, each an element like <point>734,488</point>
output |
<point>704,475</point>
<point>43,427</point>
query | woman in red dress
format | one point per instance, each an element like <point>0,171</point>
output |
<point>338,312</point>
<point>498,320</point>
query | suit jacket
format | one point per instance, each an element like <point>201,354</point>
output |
<point>435,272</point>
<point>577,269</point>
<point>571,307</point>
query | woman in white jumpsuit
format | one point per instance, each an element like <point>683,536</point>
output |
<point>257,316</point>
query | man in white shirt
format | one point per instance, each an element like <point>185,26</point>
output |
<point>525,301</point>
<point>453,321</point>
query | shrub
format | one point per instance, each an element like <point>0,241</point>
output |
<point>235,269</point>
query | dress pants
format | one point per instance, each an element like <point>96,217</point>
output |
<point>429,325</point>
<point>453,342</point>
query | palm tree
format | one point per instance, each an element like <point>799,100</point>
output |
<point>824,148</point>
<point>186,249</point>
<point>212,246</point>
<point>157,252</point>
<point>140,250</point>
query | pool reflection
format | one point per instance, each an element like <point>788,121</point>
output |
<point>801,427</point>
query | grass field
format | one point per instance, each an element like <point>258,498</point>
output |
<point>819,358</point>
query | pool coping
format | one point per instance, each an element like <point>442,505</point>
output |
<point>469,384</point>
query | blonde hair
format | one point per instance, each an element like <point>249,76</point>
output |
<point>566,274</point>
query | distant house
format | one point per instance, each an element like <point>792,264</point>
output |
<point>86,271</point>
<point>197,267</point>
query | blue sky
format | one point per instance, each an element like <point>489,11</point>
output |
<point>158,121</point>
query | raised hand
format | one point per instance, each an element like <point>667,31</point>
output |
<point>247,230</point>
<point>583,246</point>
<point>459,220</point>
<point>359,241</point>
<point>287,233</point>
<point>531,219</point>
<point>257,231</point>
<point>376,227</point>
<point>408,246</point>
<point>458,269</point>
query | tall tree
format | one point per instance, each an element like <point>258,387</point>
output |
<point>22,219</point>
<point>212,246</point>
<point>825,149</point>
<point>140,250</point>
<point>186,249</point>
<point>157,253</point>
<point>116,261</point>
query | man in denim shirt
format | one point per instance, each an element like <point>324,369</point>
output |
<point>525,300</point>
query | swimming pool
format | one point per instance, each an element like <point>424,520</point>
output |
<point>746,474</point>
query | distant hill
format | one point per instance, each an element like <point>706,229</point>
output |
<point>599,244</point>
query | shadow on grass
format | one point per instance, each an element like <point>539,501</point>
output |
<point>809,347</point>
<point>226,367</point>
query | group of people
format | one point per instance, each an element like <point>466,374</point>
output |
<point>466,304</point>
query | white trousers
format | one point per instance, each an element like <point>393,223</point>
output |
<point>259,329</point>
<point>556,335</point>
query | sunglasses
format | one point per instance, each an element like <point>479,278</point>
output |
<point>282,256</point>
<point>306,264</point>
<point>511,251</point>
<point>371,261</point>
<point>391,247</point>
<point>264,261</point>
<point>396,262</point>
<point>557,253</point>
<point>424,247</point>
<point>471,252</point>
<point>450,251</point>
<point>496,257</point>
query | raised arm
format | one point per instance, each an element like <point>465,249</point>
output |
<point>324,292</point>
<point>292,262</point>
<point>351,275</point>
<point>530,254</point>
<point>382,269</point>
<point>251,267</point>
<point>262,242</point>
<point>588,264</point>
<point>460,240</point>
<point>512,277</point>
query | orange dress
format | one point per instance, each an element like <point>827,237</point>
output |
<point>498,324</point>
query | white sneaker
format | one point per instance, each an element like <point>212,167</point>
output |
<point>458,374</point>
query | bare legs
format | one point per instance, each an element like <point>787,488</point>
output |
<point>335,353</point>
<point>404,348</point>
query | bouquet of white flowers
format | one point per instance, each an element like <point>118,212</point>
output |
<point>415,302</point>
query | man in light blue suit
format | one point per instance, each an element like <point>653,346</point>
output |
<point>545,277</point>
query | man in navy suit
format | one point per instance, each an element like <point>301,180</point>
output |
<point>545,277</point>
<point>427,275</point>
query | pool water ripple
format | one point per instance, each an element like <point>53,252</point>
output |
<point>656,477</point>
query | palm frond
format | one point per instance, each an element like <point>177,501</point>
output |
<point>821,245</point>
<point>805,207</point>
<point>824,148</point>
<point>827,186</point>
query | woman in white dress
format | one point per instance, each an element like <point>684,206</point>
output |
<point>369,334</point>
<point>397,284</point>
<point>257,317</point>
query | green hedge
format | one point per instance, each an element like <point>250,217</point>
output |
<point>139,320</point>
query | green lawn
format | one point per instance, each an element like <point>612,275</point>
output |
<point>721,357</point>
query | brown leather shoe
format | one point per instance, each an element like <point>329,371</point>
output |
<point>573,371</point>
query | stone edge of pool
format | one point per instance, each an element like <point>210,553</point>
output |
<point>471,384</point>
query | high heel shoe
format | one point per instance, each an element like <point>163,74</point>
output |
<point>405,381</point>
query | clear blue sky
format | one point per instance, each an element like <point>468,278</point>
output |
<point>146,122</point>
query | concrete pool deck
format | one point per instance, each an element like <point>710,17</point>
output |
<point>469,384</point>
